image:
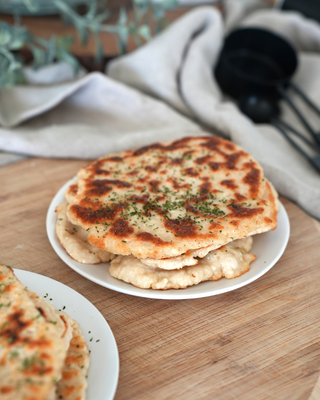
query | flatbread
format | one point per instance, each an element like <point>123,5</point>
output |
<point>191,256</point>
<point>229,261</point>
<point>32,352</point>
<point>80,251</point>
<point>166,199</point>
<point>61,321</point>
<point>74,239</point>
<point>73,382</point>
<point>71,192</point>
<point>43,352</point>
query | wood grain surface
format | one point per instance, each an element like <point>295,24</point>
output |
<point>259,342</point>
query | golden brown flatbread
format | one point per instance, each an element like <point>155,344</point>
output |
<point>43,353</point>
<point>75,240</point>
<point>32,351</point>
<point>167,199</point>
<point>73,383</point>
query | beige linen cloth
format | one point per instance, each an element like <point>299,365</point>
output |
<point>163,91</point>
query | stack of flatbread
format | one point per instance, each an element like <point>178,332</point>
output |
<point>169,215</point>
<point>43,353</point>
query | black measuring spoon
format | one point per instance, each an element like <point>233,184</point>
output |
<point>261,109</point>
<point>257,61</point>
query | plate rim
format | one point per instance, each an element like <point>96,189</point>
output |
<point>150,293</point>
<point>114,352</point>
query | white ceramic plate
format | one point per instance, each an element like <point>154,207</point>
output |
<point>268,248</point>
<point>104,364</point>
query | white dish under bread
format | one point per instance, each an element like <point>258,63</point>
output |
<point>268,248</point>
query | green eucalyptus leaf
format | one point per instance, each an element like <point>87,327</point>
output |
<point>122,46</point>
<point>32,5</point>
<point>8,67</point>
<point>92,10</point>
<point>51,50</point>
<point>19,77</point>
<point>65,42</point>
<point>109,28</point>
<point>123,33</point>
<point>41,41</point>
<point>99,49</point>
<point>5,36</point>
<point>102,17</point>
<point>7,55</point>
<point>69,59</point>
<point>136,37</point>
<point>78,21</point>
<point>94,26</point>
<point>63,7</point>
<point>122,17</point>
<point>15,66</point>
<point>158,12</point>
<point>39,56</point>
<point>46,51</point>
<point>144,32</point>
<point>169,4</point>
<point>141,3</point>
<point>82,33</point>
<point>16,43</point>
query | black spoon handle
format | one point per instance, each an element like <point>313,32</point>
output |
<point>305,97</point>
<point>314,146</point>
<point>315,161</point>
<point>284,95</point>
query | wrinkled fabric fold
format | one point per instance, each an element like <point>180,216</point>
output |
<point>91,117</point>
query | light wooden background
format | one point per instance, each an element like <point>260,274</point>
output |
<point>259,342</point>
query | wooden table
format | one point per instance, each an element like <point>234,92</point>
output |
<point>259,342</point>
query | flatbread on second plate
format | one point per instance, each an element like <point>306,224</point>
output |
<point>50,314</point>
<point>43,352</point>
<point>73,382</point>
<point>32,351</point>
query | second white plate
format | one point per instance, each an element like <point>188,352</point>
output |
<point>268,248</point>
<point>104,358</point>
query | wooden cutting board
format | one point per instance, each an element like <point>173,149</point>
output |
<point>259,342</point>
